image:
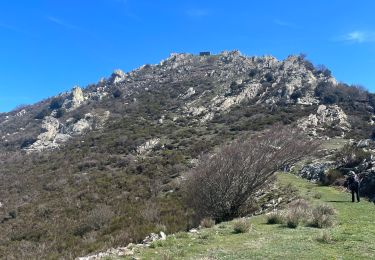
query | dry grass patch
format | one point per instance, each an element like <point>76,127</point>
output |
<point>241,225</point>
<point>275,217</point>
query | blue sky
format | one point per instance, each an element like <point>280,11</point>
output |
<point>48,46</point>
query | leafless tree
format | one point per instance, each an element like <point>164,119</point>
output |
<point>224,184</point>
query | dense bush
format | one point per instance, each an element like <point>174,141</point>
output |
<point>296,95</point>
<point>43,113</point>
<point>56,103</point>
<point>60,112</point>
<point>269,77</point>
<point>330,93</point>
<point>117,93</point>
<point>333,176</point>
<point>27,142</point>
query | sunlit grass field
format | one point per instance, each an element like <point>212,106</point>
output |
<point>353,236</point>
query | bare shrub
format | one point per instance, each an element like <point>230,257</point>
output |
<point>207,223</point>
<point>275,217</point>
<point>298,212</point>
<point>241,226</point>
<point>223,185</point>
<point>323,216</point>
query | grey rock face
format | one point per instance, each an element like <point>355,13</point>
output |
<point>316,171</point>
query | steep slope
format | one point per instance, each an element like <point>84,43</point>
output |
<point>100,166</point>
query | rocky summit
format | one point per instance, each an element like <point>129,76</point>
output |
<point>103,166</point>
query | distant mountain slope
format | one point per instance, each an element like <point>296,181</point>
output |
<point>100,166</point>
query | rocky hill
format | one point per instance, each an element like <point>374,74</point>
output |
<point>100,166</point>
<point>197,88</point>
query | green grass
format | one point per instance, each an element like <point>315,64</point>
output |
<point>352,238</point>
<point>334,143</point>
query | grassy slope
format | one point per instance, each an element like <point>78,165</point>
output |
<point>354,235</point>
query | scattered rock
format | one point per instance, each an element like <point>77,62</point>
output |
<point>194,231</point>
<point>126,251</point>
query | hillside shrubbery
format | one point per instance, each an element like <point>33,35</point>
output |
<point>222,186</point>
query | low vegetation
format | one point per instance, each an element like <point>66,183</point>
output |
<point>298,213</point>
<point>241,225</point>
<point>207,223</point>
<point>323,216</point>
<point>275,217</point>
<point>351,238</point>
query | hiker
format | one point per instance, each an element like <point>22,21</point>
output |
<point>353,183</point>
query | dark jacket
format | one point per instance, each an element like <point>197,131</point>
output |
<point>352,182</point>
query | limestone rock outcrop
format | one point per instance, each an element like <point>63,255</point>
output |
<point>147,146</point>
<point>331,116</point>
<point>117,76</point>
<point>51,136</point>
<point>54,133</point>
<point>75,99</point>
